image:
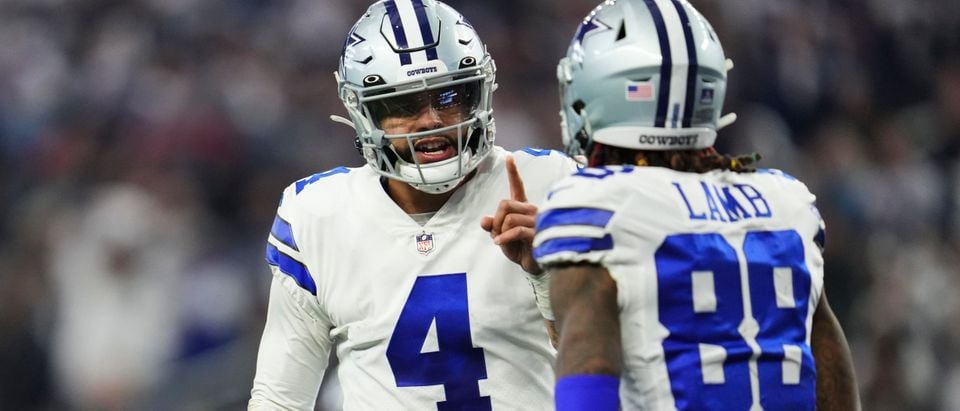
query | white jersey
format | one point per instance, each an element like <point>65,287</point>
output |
<point>425,317</point>
<point>718,276</point>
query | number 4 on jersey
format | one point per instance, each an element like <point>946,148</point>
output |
<point>457,364</point>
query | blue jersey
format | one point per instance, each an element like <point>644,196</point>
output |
<point>718,276</point>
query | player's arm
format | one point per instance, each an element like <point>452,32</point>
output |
<point>836,382</point>
<point>512,228</point>
<point>293,351</point>
<point>512,225</point>
<point>584,299</point>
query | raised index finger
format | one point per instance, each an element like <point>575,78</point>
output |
<point>516,183</point>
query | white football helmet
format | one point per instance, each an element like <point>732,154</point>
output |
<point>405,56</point>
<point>642,74</point>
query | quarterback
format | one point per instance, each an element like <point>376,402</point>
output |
<point>387,263</point>
<point>682,279</point>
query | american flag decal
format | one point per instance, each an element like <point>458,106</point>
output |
<point>639,91</point>
<point>424,243</point>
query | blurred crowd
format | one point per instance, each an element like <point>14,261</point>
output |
<point>144,145</point>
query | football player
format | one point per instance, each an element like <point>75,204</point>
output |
<point>682,279</point>
<point>387,261</point>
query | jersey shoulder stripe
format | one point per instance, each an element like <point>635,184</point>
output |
<point>574,224</point>
<point>291,267</point>
<point>321,194</point>
<point>579,245</point>
<point>283,232</point>
<point>576,230</point>
<point>596,217</point>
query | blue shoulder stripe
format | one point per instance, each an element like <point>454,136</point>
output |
<point>291,267</point>
<point>282,231</point>
<point>573,216</point>
<point>577,244</point>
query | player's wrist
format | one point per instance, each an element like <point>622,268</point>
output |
<point>541,290</point>
<point>533,269</point>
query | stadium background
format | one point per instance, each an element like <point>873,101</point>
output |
<point>144,145</point>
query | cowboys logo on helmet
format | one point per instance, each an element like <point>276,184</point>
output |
<point>417,83</point>
<point>646,75</point>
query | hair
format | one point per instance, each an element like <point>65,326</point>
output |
<point>695,161</point>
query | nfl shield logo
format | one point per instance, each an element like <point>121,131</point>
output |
<point>424,243</point>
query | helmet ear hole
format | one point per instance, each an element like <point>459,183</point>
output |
<point>468,61</point>
<point>373,80</point>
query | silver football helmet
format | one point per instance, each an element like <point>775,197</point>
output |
<point>405,59</point>
<point>643,74</point>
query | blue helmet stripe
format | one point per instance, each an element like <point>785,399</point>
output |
<point>425,29</point>
<point>693,65</point>
<point>289,266</point>
<point>595,217</point>
<point>398,33</point>
<point>666,68</point>
<point>283,231</point>
<point>575,244</point>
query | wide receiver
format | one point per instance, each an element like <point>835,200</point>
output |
<point>682,279</point>
<point>387,262</point>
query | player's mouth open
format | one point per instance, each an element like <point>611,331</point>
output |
<point>433,149</point>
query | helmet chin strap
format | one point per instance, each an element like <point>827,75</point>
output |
<point>432,171</point>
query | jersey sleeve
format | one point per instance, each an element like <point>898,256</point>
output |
<point>296,341</point>
<point>573,226</point>
<point>806,198</point>
<point>821,237</point>
<point>541,168</point>
<point>293,352</point>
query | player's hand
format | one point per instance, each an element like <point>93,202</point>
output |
<point>512,226</point>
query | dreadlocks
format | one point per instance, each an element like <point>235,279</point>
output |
<point>695,161</point>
